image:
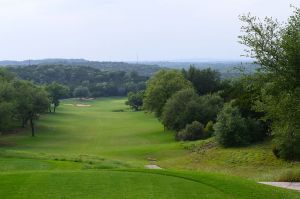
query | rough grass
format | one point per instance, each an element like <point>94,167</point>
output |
<point>289,176</point>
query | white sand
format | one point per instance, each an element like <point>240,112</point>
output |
<point>152,166</point>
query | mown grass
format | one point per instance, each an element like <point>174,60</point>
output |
<point>133,184</point>
<point>75,150</point>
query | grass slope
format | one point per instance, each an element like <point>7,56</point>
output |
<point>76,149</point>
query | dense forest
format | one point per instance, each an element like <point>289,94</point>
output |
<point>99,83</point>
<point>142,69</point>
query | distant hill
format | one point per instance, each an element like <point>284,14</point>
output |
<point>226,68</point>
<point>142,69</point>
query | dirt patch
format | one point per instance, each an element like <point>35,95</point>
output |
<point>286,185</point>
<point>83,105</point>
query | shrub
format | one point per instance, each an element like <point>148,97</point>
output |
<point>193,131</point>
<point>186,106</point>
<point>181,109</point>
<point>231,127</point>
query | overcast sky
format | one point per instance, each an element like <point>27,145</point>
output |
<point>118,30</point>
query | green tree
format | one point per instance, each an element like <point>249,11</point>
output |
<point>31,101</point>
<point>135,100</point>
<point>230,128</point>
<point>205,81</point>
<point>56,92</point>
<point>7,103</point>
<point>181,109</point>
<point>210,106</point>
<point>276,48</point>
<point>39,104</point>
<point>186,106</point>
<point>81,92</point>
<point>161,87</point>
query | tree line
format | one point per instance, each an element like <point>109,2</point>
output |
<point>83,80</point>
<point>22,102</point>
<point>197,104</point>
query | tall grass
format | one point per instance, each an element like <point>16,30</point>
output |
<point>290,176</point>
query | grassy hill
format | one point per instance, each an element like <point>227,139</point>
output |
<point>100,150</point>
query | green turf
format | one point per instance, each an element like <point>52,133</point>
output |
<point>72,147</point>
<point>133,137</point>
<point>132,184</point>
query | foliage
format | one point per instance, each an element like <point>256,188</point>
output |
<point>276,47</point>
<point>56,92</point>
<point>209,128</point>
<point>205,81</point>
<point>31,102</point>
<point>100,83</point>
<point>7,101</point>
<point>81,92</point>
<point>210,106</point>
<point>20,101</point>
<point>181,109</point>
<point>186,106</point>
<point>231,127</point>
<point>135,100</point>
<point>161,87</point>
<point>193,131</point>
<point>283,110</point>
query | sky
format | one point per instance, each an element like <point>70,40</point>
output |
<point>124,30</point>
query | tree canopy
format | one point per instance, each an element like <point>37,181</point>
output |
<point>56,92</point>
<point>276,48</point>
<point>161,87</point>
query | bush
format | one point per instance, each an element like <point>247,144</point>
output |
<point>231,127</point>
<point>193,131</point>
<point>181,109</point>
<point>186,106</point>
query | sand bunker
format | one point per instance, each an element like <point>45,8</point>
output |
<point>83,105</point>
<point>68,104</point>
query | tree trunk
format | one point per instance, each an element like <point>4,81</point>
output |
<point>23,122</point>
<point>54,108</point>
<point>32,127</point>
